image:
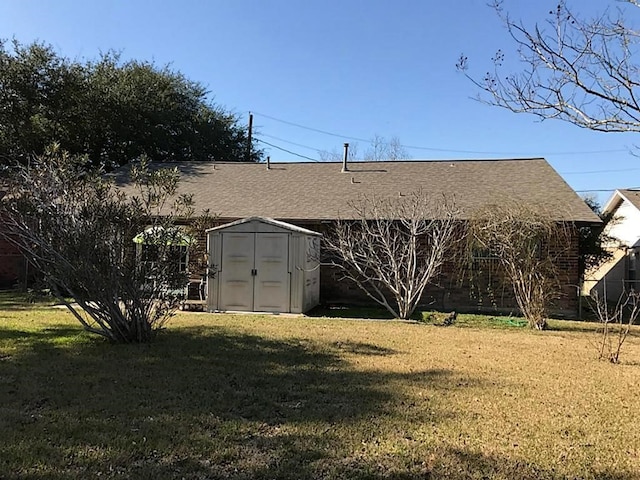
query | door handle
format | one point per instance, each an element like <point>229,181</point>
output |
<point>254,272</point>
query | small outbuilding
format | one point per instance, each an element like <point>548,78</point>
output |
<point>259,264</point>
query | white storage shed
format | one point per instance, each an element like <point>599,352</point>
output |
<point>263,265</point>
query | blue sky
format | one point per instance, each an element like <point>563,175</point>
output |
<point>355,68</point>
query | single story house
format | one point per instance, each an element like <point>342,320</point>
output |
<point>313,195</point>
<point>618,273</point>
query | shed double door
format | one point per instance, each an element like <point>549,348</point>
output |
<point>254,273</point>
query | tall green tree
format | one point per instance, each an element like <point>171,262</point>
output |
<point>111,110</point>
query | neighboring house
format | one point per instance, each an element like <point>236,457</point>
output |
<point>617,274</point>
<point>313,195</point>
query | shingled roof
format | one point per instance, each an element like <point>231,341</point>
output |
<point>632,196</point>
<point>321,191</point>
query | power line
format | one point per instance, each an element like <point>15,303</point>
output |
<point>595,190</point>
<point>600,171</point>
<point>317,150</point>
<point>290,142</point>
<point>417,147</point>
<point>566,173</point>
<point>606,189</point>
<point>357,139</point>
<point>288,151</point>
<point>324,132</point>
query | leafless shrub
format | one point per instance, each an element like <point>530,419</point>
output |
<point>394,248</point>
<point>527,243</point>
<point>615,323</point>
<point>79,229</point>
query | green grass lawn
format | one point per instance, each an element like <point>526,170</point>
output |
<point>232,396</point>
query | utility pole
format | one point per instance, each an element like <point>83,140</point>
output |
<point>248,159</point>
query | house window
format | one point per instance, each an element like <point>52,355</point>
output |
<point>484,254</point>
<point>151,253</point>
<point>170,245</point>
<point>631,271</point>
<point>181,253</point>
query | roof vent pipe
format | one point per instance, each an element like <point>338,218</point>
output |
<point>344,160</point>
<point>268,163</point>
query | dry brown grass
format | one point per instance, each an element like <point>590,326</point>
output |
<point>284,397</point>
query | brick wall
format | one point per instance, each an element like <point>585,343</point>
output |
<point>460,287</point>
<point>477,286</point>
<point>12,265</point>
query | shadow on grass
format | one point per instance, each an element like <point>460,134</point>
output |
<point>214,403</point>
<point>477,465</point>
<point>197,403</point>
<point>360,348</point>
<point>12,300</point>
<point>45,335</point>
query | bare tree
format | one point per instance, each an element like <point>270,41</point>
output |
<point>379,149</point>
<point>527,242</point>
<point>78,230</point>
<point>382,150</point>
<point>577,70</point>
<point>336,155</point>
<point>394,248</point>
<point>616,322</point>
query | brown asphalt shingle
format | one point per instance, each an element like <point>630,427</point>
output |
<point>320,191</point>
<point>633,196</point>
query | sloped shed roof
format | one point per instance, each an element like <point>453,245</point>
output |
<point>321,191</point>
<point>267,221</point>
